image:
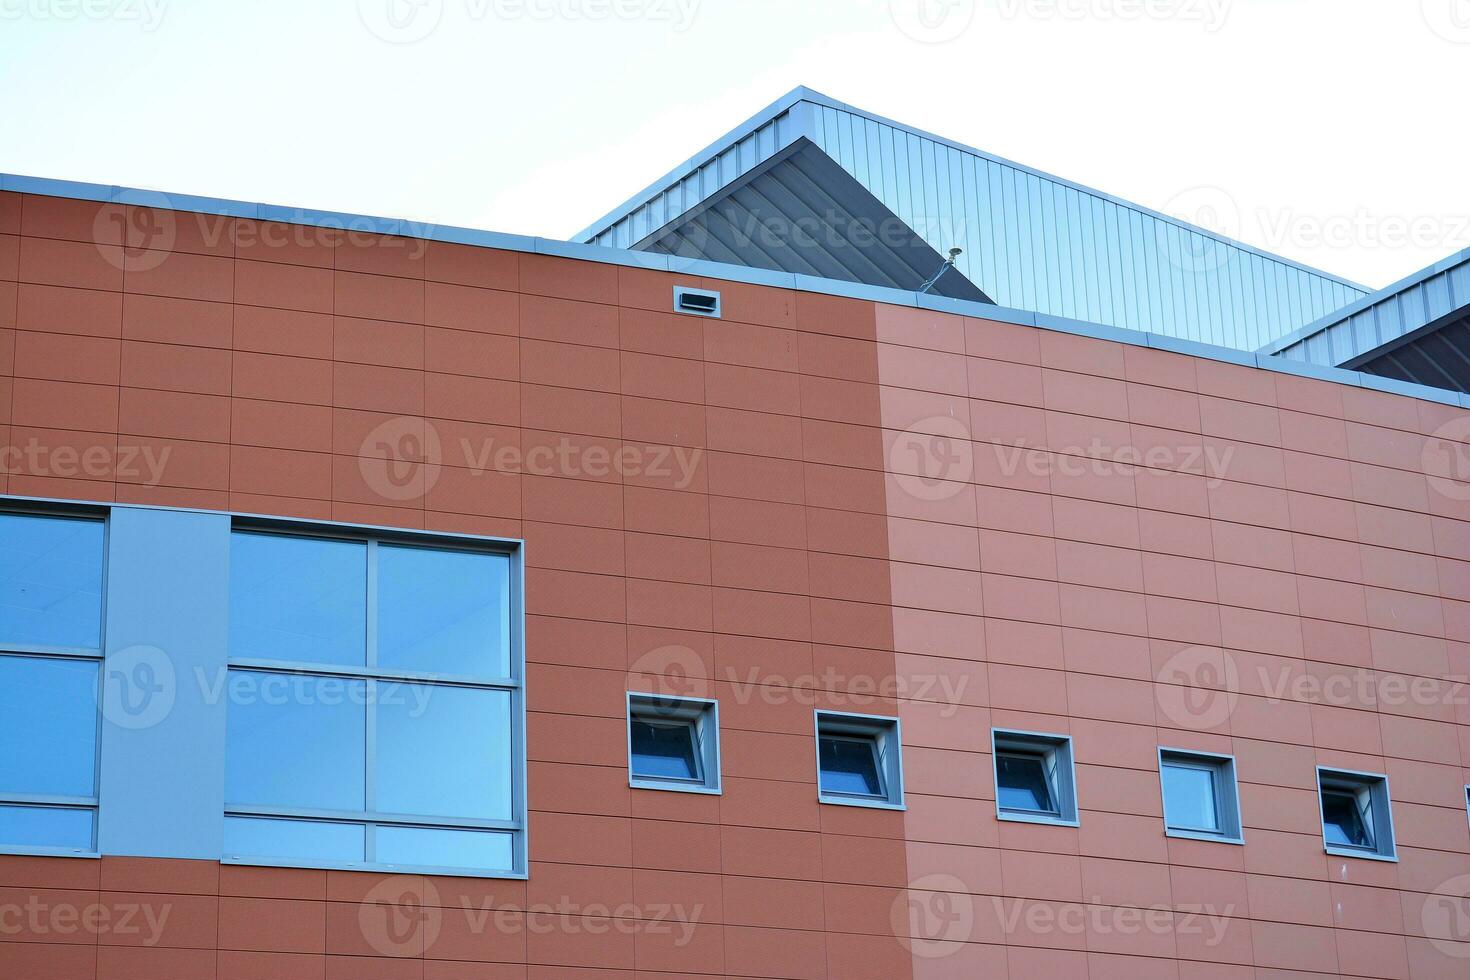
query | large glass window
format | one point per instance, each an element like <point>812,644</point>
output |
<point>374,705</point>
<point>50,667</point>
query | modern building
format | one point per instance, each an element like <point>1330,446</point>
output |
<point>723,594</point>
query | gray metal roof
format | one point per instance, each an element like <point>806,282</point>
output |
<point>800,212</point>
<point>1417,329</point>
<point>1031,241</point>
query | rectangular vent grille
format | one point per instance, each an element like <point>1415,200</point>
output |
<point>700,302</point>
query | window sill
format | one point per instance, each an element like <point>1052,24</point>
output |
<point>1361,855</point>
<point>1036,819</point>
<point>15,850</point>
<point>391,869</point>
<point>854,801</point>
<point>1202,835</point>
<point>672,787</point>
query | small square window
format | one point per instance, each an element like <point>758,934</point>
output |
<point>1034,780</point>
<point>673,743</point>
<point>859,760</point>
<point>1357,818</point>
<point>1200,796</point>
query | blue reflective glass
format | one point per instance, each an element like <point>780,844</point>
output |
<point>293,840</point>
<point>1021,784</point>
<point>850,766</point>
<point>296,741</point>
<point>298,599</point>
<point>664,749</point>
<point>50,581</point>
<point>420,846</point>
<point>443,751</point>
<point>48,726</point>
<point>68,828</point>
<point>445,612</point>
<point>1189,798</point>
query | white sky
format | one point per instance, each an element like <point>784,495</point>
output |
<point>1336,128</point>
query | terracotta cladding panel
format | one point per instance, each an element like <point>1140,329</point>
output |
<point>812,502</point>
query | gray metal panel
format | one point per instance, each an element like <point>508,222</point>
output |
<point>1414,330</point>
<point>1030,240</point>
<point>163,715</point>
<point>801,213</point>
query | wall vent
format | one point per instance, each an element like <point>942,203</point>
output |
<point>700,302</point>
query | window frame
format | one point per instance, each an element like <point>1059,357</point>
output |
<point>96,655</point>
<point>704,715</point>
<point>886,734</point>
<point>1375,786</point>
<point>1225,787</point>
<point>372,674</point>
<point>1058,760</point>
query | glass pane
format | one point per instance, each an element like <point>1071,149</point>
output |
<point>443,612</point>
<point>664,749</point>
<point>295,741</point>
<point>850,766</point>
<point>46,826</point>
<point>1189,798</point>
<point>48,726</point>
<point>50,581</point>
<point>303,840</point>
<point>1021,783</point>
<point>298,599</point>
<point>443,751</point>
<point>421,846</point>
<point>1342,820</point>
